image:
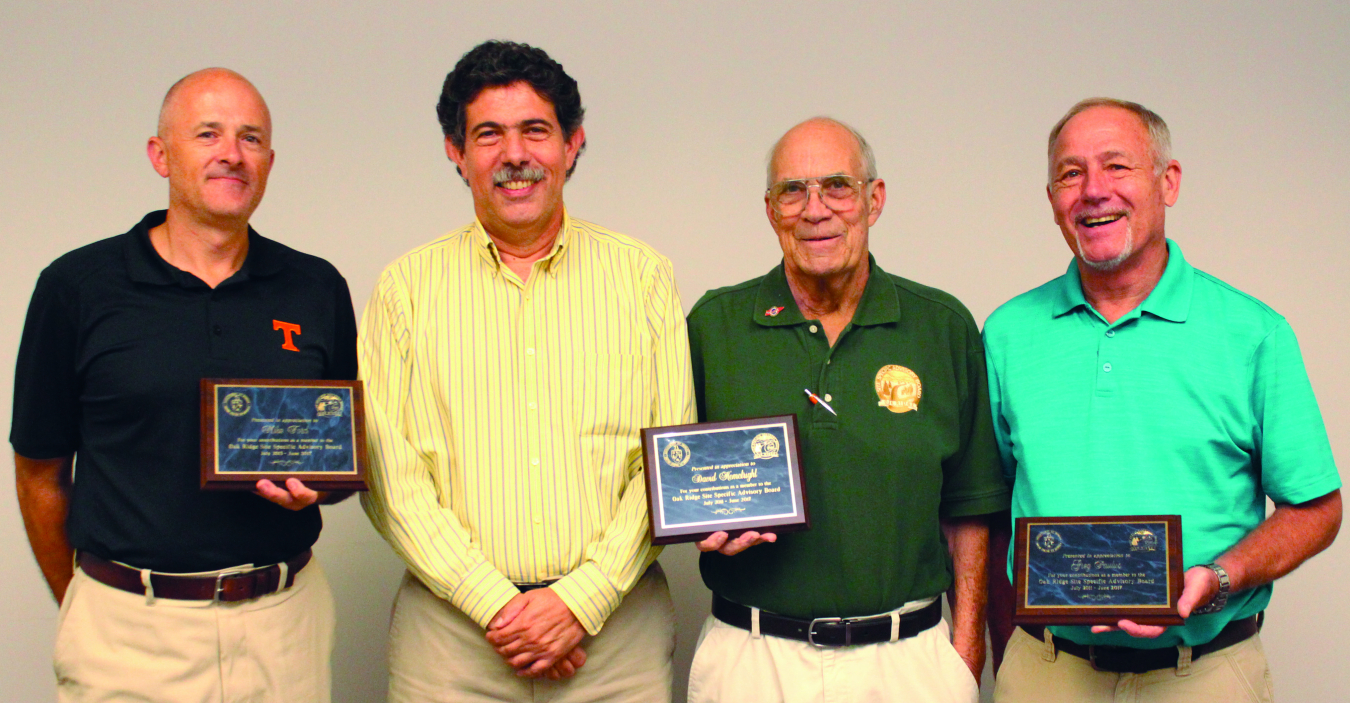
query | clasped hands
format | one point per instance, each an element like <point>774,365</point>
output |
<point>537,634</point>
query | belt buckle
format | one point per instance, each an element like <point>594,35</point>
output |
<point>220,583</point>
<point>811,631</point>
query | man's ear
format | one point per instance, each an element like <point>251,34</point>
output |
<point>159,156</point>
<point>574,144</point>
<point>876,200</point>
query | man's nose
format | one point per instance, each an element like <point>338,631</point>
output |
<point>815,209</point>
<point>513,148</point>
<point>1096,185</point>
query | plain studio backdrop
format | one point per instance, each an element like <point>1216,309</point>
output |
<point>683,100</point>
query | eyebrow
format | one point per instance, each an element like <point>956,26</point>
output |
<point>220,126</point>
<point>522,123</point>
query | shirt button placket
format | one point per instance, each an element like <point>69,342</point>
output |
<point>1107,373</point>
<point>534,372</point>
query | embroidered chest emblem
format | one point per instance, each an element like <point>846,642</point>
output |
<point>288,329</point>
<point>898,388</point>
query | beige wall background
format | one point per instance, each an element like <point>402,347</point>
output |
<point>683,101</point>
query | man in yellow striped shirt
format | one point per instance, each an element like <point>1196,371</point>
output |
<point>509,366</point>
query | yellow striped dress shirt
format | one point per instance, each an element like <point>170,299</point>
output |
<point>503,416</point>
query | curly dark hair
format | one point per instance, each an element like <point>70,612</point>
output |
<point>499,63</point>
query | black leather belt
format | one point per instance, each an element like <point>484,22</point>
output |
<point>829,632</point>
<point>226,587</point>
<point>524,587</point>
<point>1133,660</point>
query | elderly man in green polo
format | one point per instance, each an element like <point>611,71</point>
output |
<point>899,459</point>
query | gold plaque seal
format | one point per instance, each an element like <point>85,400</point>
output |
<point>1143,541</point>
<point>236,404</point>
<point>898,388</point>
<point>676,453</point>
<point>329,405</point>
<point>1049,541</point>
<point>764,446</point>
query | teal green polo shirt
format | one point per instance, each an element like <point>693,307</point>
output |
<point>1195,403</point>
<point>911,444</point>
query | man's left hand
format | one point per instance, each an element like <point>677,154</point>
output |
<point>534,631</point>
<point>293,497</point>
<point>1201,585</point>
<point>718,542</point>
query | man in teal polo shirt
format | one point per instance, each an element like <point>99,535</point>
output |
<point>1135,384</point>
<point>898,453</point>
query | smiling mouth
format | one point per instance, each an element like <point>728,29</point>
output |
<point>1100,220</point>
<point>517,177</point>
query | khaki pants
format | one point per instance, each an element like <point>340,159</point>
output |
<point>1033,673</point>
<point>733,666</point>
<point>438,655</point>
<point>114,646</point>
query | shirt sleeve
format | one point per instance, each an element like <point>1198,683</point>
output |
<point>973,483</point>
<point>1294,455</point>
<point>613,563</point>
<point>342,366</point>
<point>402,502</point>
<point>1002,430</point>
<point>46,418</point>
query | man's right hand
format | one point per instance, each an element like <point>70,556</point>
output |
<point>44,501</point>
<point>567,666</point>
<point>718,542</point>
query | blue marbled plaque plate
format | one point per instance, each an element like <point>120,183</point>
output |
<point>1098,569</point>
<point>256,428</point>
<point>731,476</point>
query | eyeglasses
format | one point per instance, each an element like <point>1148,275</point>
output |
<point>838,192</point>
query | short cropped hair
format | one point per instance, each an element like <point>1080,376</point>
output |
<point>1159,136</point>
<point>501,63</point>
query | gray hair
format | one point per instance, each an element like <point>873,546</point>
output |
<point>865,154</point>
<point>1160,138</point>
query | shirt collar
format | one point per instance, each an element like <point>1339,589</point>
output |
<point>487,249</point>
<point>145,265</point>
<point>775,306</point>
<point>1169,300</point>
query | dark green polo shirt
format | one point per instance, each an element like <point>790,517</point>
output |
<point>899,455</point>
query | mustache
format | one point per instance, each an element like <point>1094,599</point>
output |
<point>517,173</point>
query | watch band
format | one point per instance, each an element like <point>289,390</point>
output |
<point>1221,599</point>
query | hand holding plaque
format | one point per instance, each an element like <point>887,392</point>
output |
<point>729,477</point>
<point>1097,570</point>
<point>255,429</point>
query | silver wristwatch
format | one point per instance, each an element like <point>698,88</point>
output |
<point>1221,599</point>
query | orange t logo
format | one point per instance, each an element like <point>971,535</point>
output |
<point>289,328</point>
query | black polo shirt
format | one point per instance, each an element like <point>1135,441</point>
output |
<point>114,346</point>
